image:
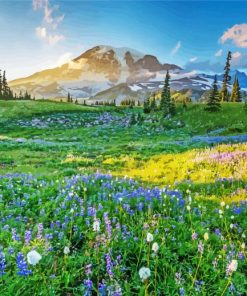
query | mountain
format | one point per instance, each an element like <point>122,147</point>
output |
<point>242,78</point>
<point>95,70</point>
<point>106,73</point>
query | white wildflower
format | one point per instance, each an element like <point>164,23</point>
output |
<point>222,204</point>
<point>232,266</point>
<point>144,273</point>
<point>155,247</point>
<point>150,237</point>
<point>33,257</point>
<point>66,250</point>
<point>96,225</point>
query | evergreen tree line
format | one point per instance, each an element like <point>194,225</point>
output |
<point>167,104</point>
<point>7,94</point>
<point>224,95</point>
<point>130,102</point>
<point>105,103</point>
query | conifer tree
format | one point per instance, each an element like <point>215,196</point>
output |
<point>226,79</point>
<point>5,86</point>
<point>167,105</point>
<point>153,105</point>
<point>236,91</point>
<point>146,106</point>
<point>172,110</point>
<point>68,98</point>
<point>213,104</point>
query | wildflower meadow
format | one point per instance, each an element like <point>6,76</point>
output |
<point>120,203</point>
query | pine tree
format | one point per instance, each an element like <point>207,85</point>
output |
<point>226,79</point>
<point>68,98</point>
<point>172,110</point>
<point>146,106</point>
<point>5,87</point>
<point>236,91</point>
<point>167,105</point>
<point>153,105</point>
<point>213,104</point>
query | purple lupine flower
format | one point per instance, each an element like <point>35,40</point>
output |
<point>200,247</point>
<point>241,256</point>
<point>15,236</point>
<point>28,235</point>
<point>88,284</point>
<point>88,270</point>
<point>2,264</point>
<point>198,285</point>
<point>217,232</point>
<point>232,288</point>
<point>108,225</point>
<point>181,291</point>
<point>215,263</point>
<point>194,236</point>
<point>102,289</point>
<point>40,231</point>
<point>11,250</point>
<point>109,265</point>
<point>22,265</point>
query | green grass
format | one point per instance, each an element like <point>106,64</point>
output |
<point>140,141</point>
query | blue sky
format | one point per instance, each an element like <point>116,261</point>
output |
<point>195,35</point>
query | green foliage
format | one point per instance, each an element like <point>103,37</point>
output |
<point>213,104</point>
<point>236,95</point>
<point>167,104</point>
<point>245,106</point>
<point>225,96</point>
<point>146,106</point>
<point>7,94</point>
<point>128,102</point>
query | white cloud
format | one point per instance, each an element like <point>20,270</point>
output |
<point>236,55</point>
<point>41,32</point>
<point>237,34</point>
<point>37,4</point>
<point>193,59</point>
<point>48,31</point>
<point>219,53</point>
<point>53,39</point>
<point>64,58</point>
<point>176,48</point>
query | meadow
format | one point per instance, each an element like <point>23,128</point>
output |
<point>112,201</point>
